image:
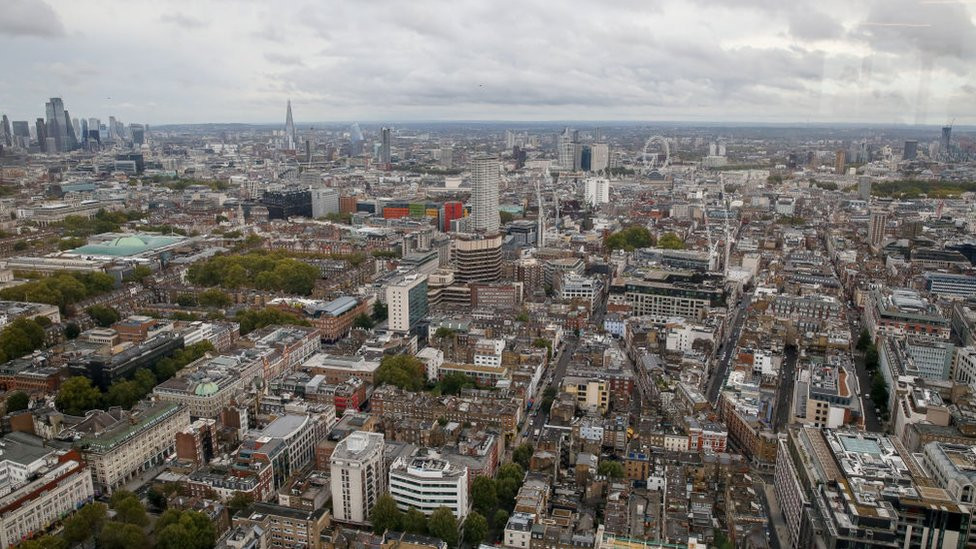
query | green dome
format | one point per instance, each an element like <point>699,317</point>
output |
<point>206,388</point>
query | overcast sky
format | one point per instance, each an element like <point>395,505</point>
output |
<point>172,61</point>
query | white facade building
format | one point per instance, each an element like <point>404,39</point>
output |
<point>37,505</point>
<point>596,191</point>
<point>484,195</point>
<point>358,476</point>
<point>426,482</point>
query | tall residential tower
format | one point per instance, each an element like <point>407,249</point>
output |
<point>484,195</point>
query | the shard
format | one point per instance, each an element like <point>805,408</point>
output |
<point>291,139</point>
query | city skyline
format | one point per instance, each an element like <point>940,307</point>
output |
<point>902,63</point>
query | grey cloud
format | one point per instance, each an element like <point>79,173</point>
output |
<point>814,25</point>
<point>283,59</point>
<point>183,21</point>
<point>29,18</point>
<point>937,29</point>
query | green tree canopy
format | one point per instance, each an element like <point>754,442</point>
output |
<point>405,371</point>
<point>671,241</point>
<point>265,271</point>
<point>863,340</point>
<point>414,522</point>
<point>103,316</point>
<point>238,502</point>
<point>18,400</point>
<point>500,519</point>
<point>453,382</point>
<point>214,298</point>
<point>85,523</point>
<point>484,498</point>
<point>385,515</point>
<point>128,508</point>
<point>120,535</point>
<point>185,530</point>
<point>380,311</point>
<point>44,542</point>
<point>443,524</point>
<point>254,319</point>
<point>630,239</point>
<point>363,321</point>
<point>475,528</point>
<point>612,469</point>
<point>77,395</point>
<point>522,454</point>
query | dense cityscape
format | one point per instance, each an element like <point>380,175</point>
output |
<point>472,275</point>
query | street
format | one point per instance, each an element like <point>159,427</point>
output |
<point>718,376</point>
<point>784,395</point>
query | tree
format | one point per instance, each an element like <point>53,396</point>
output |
<point>414,522</point>
<point>612,469</point>
<point>77,396</point>
<point>442,524</point>
<point>500,519</point>
<point>123,393</point>
<point>145,379</point>
<point>405,371</point>
<point>238,502</point>
<point>18,400</point>
<point>214,298</point>
<point>85,523</point>
<point>670,241</point>
<point>452,383</point>
<point>184,530</point>
<point>863,340</point>
<point>44,542</point>
<point>186,300</point>
<point>380,311</point>
<point>119,535</point>
<point>522,454</point>
<point>444,332</point>
<point>385,515</point>
<point>630,239</point>
<point>139,273</point>
<point>871,357</point>
<point>363,321</point>
<point>879,391</point>
<point>71,330</point>
<point>254,319</point>
<point>475,528</point>
<point>103,316</point>
<point>128,508</point>
<point>484,498</point>
<point>506,217</point>
<point>156,498</point>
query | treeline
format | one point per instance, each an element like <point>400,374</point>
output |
<point>126,529</point>
<point>254,319</point>
<point>271,272</point>
<point>630,239</point>
<point>77,395</point>
<point>22,336</point>
<point>910,188</point>
<point>103,222</point>
<point>62,290</point>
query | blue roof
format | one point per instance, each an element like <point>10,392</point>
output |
<point>336,307</point>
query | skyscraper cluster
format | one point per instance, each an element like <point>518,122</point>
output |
<point>58,132</point>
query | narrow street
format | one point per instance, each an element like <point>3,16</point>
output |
<point>718,376</point>
<point>784,395</point>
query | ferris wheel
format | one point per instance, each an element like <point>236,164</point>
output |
<point>650,161</point>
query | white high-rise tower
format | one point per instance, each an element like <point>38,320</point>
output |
<point>291,138</point>
<point>484,195</point>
